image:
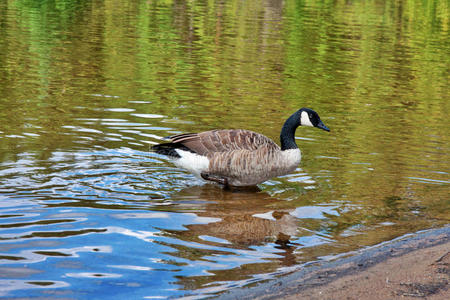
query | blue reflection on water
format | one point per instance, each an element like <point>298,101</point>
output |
<point>108,223</point>
<point>108,218</point>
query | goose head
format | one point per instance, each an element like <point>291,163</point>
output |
<point>302,117</point>
<point>309,117</point>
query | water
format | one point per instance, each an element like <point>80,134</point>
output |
<point>86,211</point>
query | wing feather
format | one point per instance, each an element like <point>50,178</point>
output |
<point>208,142</point>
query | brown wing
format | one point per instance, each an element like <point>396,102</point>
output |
<point>207,142</point>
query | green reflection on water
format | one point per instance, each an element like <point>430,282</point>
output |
<point>79,75</point>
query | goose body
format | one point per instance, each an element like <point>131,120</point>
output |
<point>237,157</point>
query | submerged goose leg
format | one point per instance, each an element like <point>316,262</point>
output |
<point>217,179</point>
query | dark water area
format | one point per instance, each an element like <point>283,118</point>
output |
<point>86,87</point>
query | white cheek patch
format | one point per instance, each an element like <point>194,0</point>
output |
<point>304,119</point>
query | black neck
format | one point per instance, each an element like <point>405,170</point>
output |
<point>287,136</point>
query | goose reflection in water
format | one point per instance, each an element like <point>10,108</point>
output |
<point>245,219</point>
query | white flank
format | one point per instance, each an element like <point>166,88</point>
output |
<point>192,162</point>
<point>304,119</point>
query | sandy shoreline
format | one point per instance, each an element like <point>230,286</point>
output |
<point>416,266</point>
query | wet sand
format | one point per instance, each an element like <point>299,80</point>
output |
<point>412,267</point>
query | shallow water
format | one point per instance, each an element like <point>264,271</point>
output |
<point>86,211</point>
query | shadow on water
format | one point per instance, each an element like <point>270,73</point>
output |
<point>248,223</point>
<point>246,217</point>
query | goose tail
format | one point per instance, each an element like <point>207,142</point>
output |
<point>168,149</point>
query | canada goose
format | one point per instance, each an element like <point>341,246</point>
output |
<point>238,157</point>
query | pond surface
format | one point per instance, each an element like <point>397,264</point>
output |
<point>86,211</point>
